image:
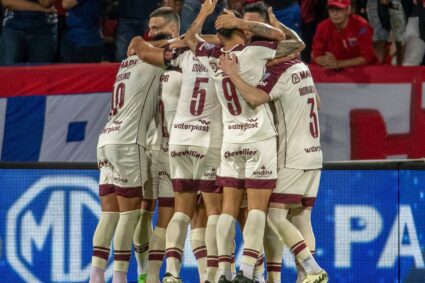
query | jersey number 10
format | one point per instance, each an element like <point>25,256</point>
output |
<point>117,101</point>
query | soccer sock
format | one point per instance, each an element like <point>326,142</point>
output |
<point>212,251</point>
<point>175,237</point>
<point>302,220</point>
<point>292,237</point>
<point>142,236</point>
<point>197,241</point>
<point>253,235</point>
<point>259,266</point>
<point>156,254</point>
<point>102,238</point>
<point>273,248</point>
<point>123,240</point>
<point>225,238</point>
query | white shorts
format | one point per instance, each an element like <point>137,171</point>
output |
<point>123,169</point>
<point>166,193</point>
<point>249,165</point>
<point>193,168</point>
<point>296,187</point>
<point>150,190</point>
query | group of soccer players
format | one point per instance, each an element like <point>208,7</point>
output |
<point>218,129</point>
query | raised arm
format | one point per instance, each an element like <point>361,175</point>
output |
<point>192,36</point>
<point>253,95</point>
<point>146,51</point>
<point>228,20</point>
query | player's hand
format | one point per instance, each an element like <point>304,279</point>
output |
<point>273,20</point>
<point>208,7</point>
<point>229,64</point>
<point>227,20</point>
<point>135,42</point>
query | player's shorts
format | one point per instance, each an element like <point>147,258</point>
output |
<point>248,165</point>
<point>150,190</point>
<point>296,187</point>
<point>166,193</point>
<point>123,169</point>
<point>193,168</point>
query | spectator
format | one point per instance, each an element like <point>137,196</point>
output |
<point>84,40</point>
<point>415,34</point>
<point>191,9</point>
<point>385,16</point>
<point>287,12</point>
<point>343,40</point>
<point>29,31</point>
<point>132,18</point>
<point>312,13</point>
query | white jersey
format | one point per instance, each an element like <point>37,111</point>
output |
<point>171,82</point>
<point>134,102</point>
<point>242,123</point>
<point>295,98</point>
<point>198,117</point>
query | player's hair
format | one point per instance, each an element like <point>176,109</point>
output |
<point>168,14</point>
<point>258,7</point>
<point>227,33</point>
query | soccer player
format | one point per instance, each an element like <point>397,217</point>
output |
<point>289,83</point>
<point>195,142</point>
<point>248,159</point>
<point>122,163</point>
<point>163,23</point>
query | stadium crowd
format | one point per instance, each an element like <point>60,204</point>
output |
<point>81,31</point>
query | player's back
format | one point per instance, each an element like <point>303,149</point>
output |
<point>242,123</point>
<point>134,101</point>
<point>198,114</point>
<point>297,115</point>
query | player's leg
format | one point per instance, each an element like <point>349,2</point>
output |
<point>108,220</point>
<point>143,232</point>
<point>142,237</point>
<point>130,173</point>
<point>301,217</point>
<point>185,196</point>
<point>260,182</point>
<point>230,178</point>
<point>288,193</point>
<point>273,248</point>
<point>197,238</point>
<point>213,202</point>
<point>165,213</point>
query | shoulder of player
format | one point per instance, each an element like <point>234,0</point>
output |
<point>208,49</point>
<point>280,68</point>
<point>262,43</point>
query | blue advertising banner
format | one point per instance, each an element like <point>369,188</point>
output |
<point>369,227</point>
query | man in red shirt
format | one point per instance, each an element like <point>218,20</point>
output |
<point>343,40</point>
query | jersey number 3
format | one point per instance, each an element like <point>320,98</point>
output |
<point>314,130</point>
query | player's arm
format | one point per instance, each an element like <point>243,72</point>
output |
<point>253,95</point>
<point>228,20</point>
<point>24,5</point>
<point>69,4</point>
<point>192,36</point>
<point>146,51</point>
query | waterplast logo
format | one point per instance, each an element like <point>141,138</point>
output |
<point>48,239</point>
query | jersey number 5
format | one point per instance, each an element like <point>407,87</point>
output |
<point>117,101</point>
<point>314,130</point>
<point>198,97</point>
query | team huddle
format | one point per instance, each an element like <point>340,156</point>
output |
<point>215,130</point>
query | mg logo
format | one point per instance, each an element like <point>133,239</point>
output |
<point>48,236</point>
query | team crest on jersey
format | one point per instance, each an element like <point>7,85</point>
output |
<point>214,66</point>
<point>295,79</point>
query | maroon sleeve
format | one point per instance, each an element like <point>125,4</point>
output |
<point>171,54</point>
<point>319,41</point>
<point>205,49</point>
<point>270,78</point>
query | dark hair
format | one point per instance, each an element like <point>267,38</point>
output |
<point>259,8</point>
<point>227,33</point>
<point>167,13</point>
<point>162,36</point>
